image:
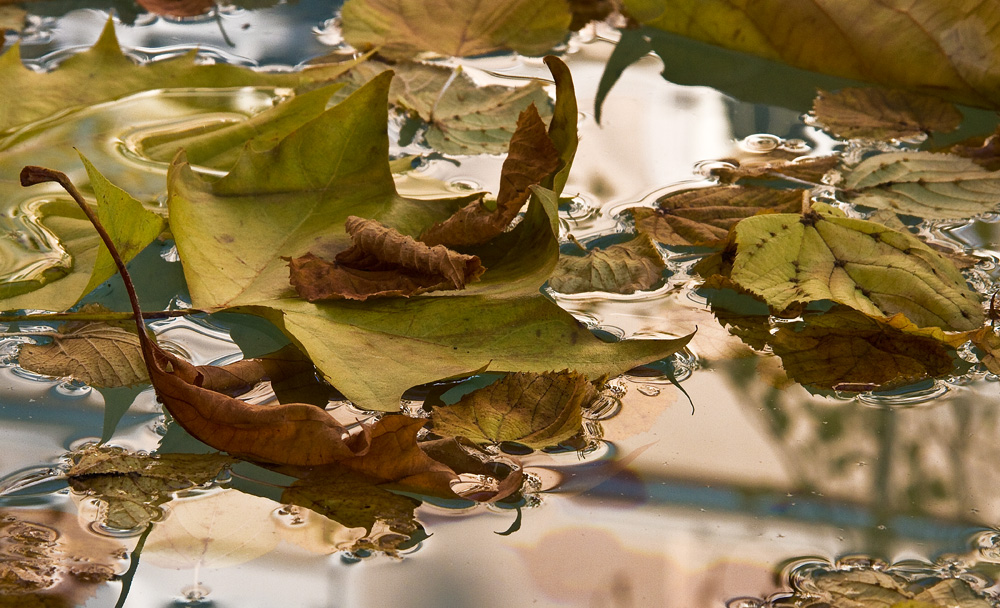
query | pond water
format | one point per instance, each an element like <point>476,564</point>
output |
<point>756,493</point>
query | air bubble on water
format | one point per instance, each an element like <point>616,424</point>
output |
<point>465,184</point>
<point>648,390</point>
<point>73,388</point>
<point>745,602</point>
<point>907,396</point>
<point>760,143</point>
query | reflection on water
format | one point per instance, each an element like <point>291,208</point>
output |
<point>656,506</point>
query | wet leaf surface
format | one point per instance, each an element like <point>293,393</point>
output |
<point>923,184</point>
<point>984,151</point>
<point>941,39</point>
<point>704,216</point>
<point>133,486</point>
<point>877,113</point>
<point>462,118</point>
<point>101,355</point>
<point>810,169</point>
<point>535,410</point>
<point>404,28</point>
<point>623,268</point>
<point>380,263</point>
<point>873,589</point>
<point>796,259</point>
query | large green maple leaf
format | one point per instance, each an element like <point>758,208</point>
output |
<point>295,198</point>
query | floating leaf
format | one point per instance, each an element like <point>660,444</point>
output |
<point>623,268</point>
<point>703,216</point>
<point>943,41</point>
<point>846,347</point>
<point>794,259</point>
<point>536,410</point>
<point>984,151</point>
<point>290,200</point>
<point>404,28</point>
<point>382,262</point>
<point>532,158</point>
<point>950,592</point>
<point>810,169</point>
<point>103,73</point>
<point>988,341</point>
<point>101,355</point>
<point>462,117</point>
<point>177,8</point>
<point>133,486</point>
<point>877,113</point>
<point>924,184</point>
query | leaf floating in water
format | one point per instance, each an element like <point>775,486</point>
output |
<point>988,342</point>
<point>924,184</point>
<point>536,410</point>
<point>402,29</point>
<point>382,263</point>
<point>810,169</point>
<point>985,152</point>
<point>623,268</point>
<point>133,486</point>
<point>532,157</point>
<point>704,216</point>
<point>877,113</point>
<point>795,259</point>
<point>99,354</point>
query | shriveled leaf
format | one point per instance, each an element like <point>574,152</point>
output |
<point>878,113</point>
<point>101,355</point>
<point>404,28</point>
<point>795,259</point>
<point>703,216</point>
<point>943,41</point>
<point>623,268</point>
<point>984,151</point>
<point>532,158</point>
<point>103,73</point>
<point>462,118</point>
<point>924,184</point>
<point>133,486</point>
<point>290,200</point>
<point>536,410</point>
<point>810,169</point>
<point>846,347</point>
<point>382,262</point>
<point>202,531</point>
<point>353,500</point>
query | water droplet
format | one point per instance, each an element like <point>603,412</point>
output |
<point>907,396</point>
<point>465,184</point>
<point>648,389</point>
<point>73,388</point>
<point>745,602</point>
<point>708,168</point>
<point>760,143</point>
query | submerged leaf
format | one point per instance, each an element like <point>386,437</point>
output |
<point>794,259</point>
<point>623,268</point>
<point>531,159</point>
<point>382,262</point>
<point>462,118</point>
<point>810,169</point>
<point>988,341</point>
<point>878,113</point>
<point>984,151</point>
<point>536,410</point>
<point>101,355</point>
<point>924,184</point>
<point>404,28</point>
<point>704,216</point>
<point>133,486</point>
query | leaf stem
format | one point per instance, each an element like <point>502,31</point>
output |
<point>103,316</point>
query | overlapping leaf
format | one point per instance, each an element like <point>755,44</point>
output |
<point>101,355</point>
<point>924,184</point>
<point>791,259</point>
<point>404,28</point>
<point>943,41</point>
<point>878,113</point>
<point>536,410</point>
<point>292,199</point>
<point>810,169</point>
<point>622,268</point>
<point>704,216</point>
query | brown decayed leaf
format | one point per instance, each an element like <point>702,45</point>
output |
<point>177,8</point>
<point>382,262</point>
<point>132,486</point>
<point>988,341</point>
<point>531,158</point>
<point>623,268</point>
<point>810,169</point>
<point>235,379</point>
<point>464,456</point>
<point>877,113</point>
<point>536,410</point>
<point>846,347</point>
<point>985,152</point>
<point>585,11</point>
<point>99,354</point>
<point>703,216</point>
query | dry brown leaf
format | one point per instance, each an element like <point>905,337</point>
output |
<point>984,151</point>
<point>382,262</point>
<point>810,169</point>
<point>703,216</point>
<point>177,8</point>
<point>988,341</point>
<point>536,410</point>
<point>877,113</point>
<point>531,158</point>
<point>623,268</point>
<point>99,354</point>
